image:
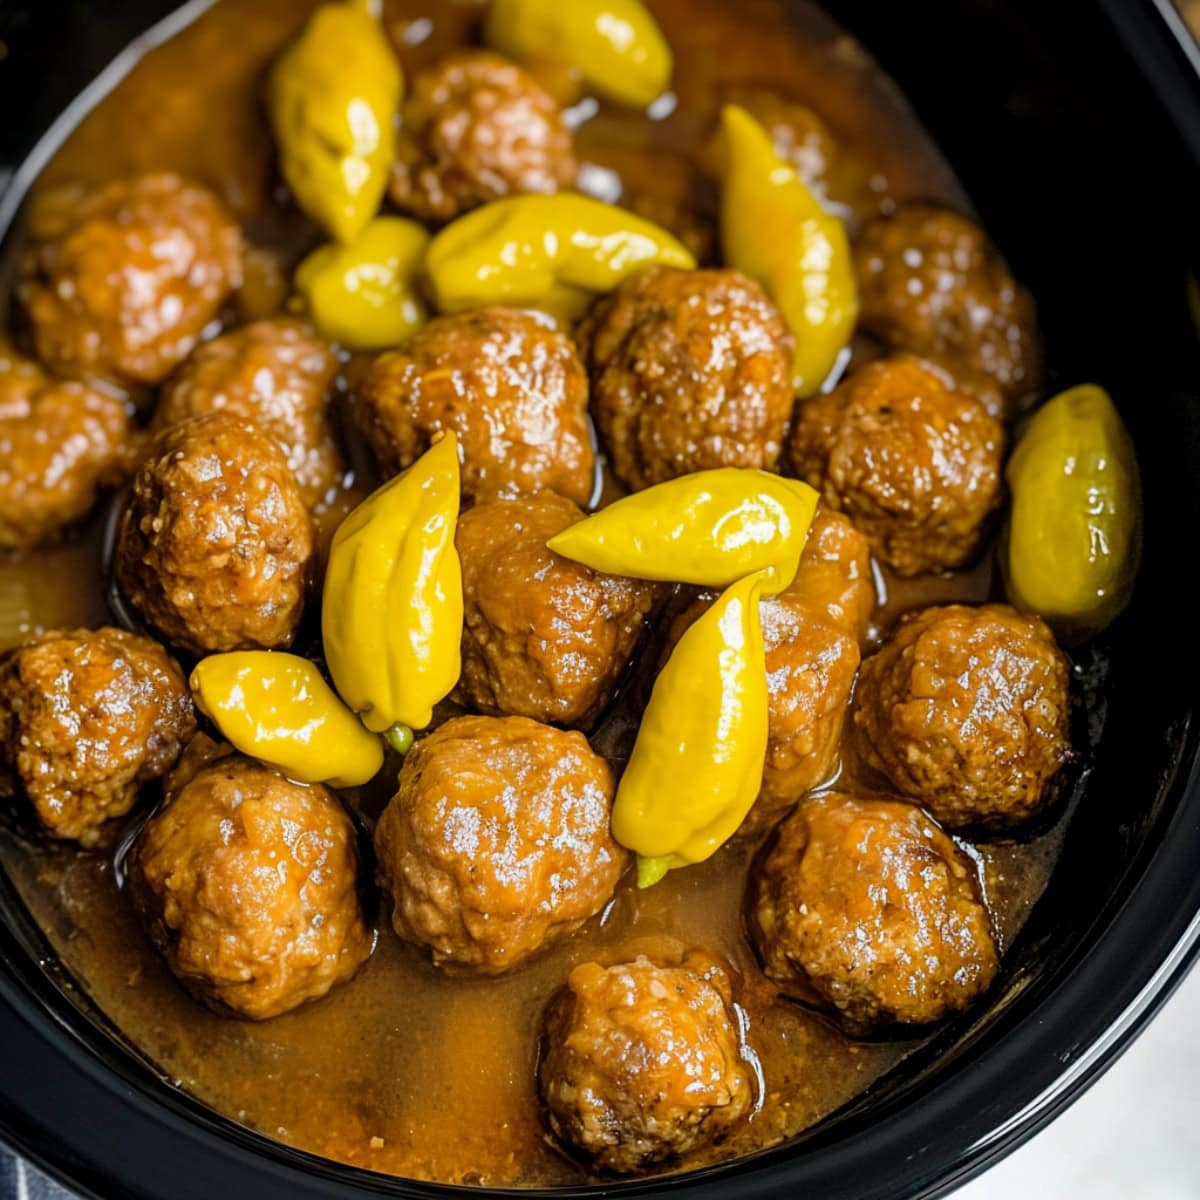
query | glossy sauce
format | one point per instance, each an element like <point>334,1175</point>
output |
<point>411,1070</point>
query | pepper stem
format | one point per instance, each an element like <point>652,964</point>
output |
<point>651,870</point>
<point>400,738</point>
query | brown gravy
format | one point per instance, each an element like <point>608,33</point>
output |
<point>409,1070</point>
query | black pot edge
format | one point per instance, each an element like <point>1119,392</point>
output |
<point>1160,43</point>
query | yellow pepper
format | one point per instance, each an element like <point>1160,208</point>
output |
<point>775,230</point>
<point>708,528</point>
<point>364,295</point>
<point>332,97</point>
<point>697,764</point>
<point>614,44</point>
<point>278,708</point>
<point>531,250</point>
<point>392,612</point>
<point>1074,534</point>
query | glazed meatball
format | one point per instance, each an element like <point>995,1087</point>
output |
<point>929,281</point>
<point>133,274</point>
<point>507,382</point>
<point>642,1062</point>
<point>543,637</point>
<point>497,842</point>
<point>215,544</point>
<point>915,467</point>
<point>967,710</point>
<point>689,370</point>
<point>868,905</point>
<point>834,577</point>
<point>60,443</point>
<point>87,717</point>
<point>476,127</point>
<point>278,375</point>
<point>247,884</point>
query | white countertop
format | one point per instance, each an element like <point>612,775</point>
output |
<point>1134,1136</point>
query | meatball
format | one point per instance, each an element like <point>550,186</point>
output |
<point>247,884</point>
<point>967,710</point>
<point>87,717</point>
<point>915,467</point>
<point>866,903</point>
<point>278,375</point>
<point>834,577</point>
<point>131,277</point>
<point>60,443</point>
<point>507,382</point>
<point>497,842</point>
<point>642,1062</point>
<point>689,370</point>
<point>215,544</point>
<point>543,637</point>
<point>811,665</point>
<point>929,281</point>
<point>476,127</point>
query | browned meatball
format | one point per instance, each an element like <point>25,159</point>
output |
<point>967,710</point>
<point>916,467</point>
<point>131,277</point>
<point>642,1061</point>
<point>834,577</point>
<point>868,904</point>
<point>60,443</point>
<point>247,884</point>
<point>87,717</point>
<point>929,281</point>
<point>277,374</point>
<point>507,382</point>
<point>214,547</point>
<point>476,127</point>
<point>690,370</point>
<point>543,637</point>
<point>497,842</point>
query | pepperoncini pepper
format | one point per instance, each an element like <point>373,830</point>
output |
<point>614,44</point>
<point>1074,533</point>
<point>530,250</point>
<point>775,230</point>
<point>392,610</point>
<point>364,295</point>
<point>708,528</point>
<point>278,708</point>
<point>697,764</point>
<point>332,97</point>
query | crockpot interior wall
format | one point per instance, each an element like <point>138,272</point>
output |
<point>1086,186</point>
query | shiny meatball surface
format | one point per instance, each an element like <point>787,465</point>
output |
<point>929,281</point>
<point>869,904</point>
<point>508,382</point>
<point>278,375</point>
<point>834,577</point>
<point>248,886</point>
<point>60,444</point>
<point>497,842</point>
<point>215,544</point>
<point>543,637</point>
<point>87,717</point>
<point>132,275</point>
<point>642,1062</point>
<point>476,127</point>
<point>916,467</point>
<point>689,370</point>
<point>967,710</point>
